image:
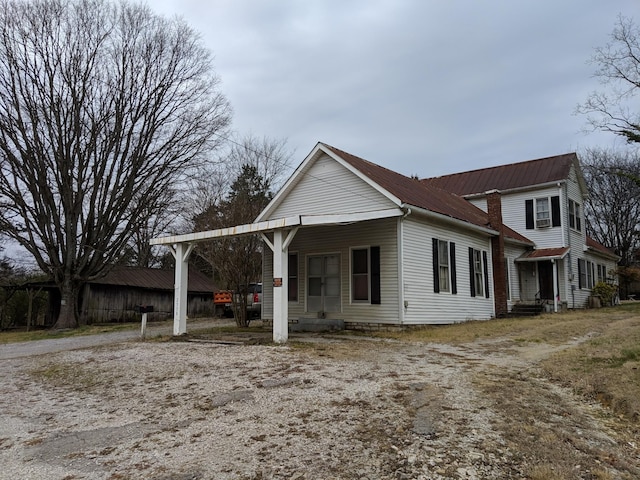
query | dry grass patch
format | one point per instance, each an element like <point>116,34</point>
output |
<point>606,368</point>
<point>22,335</point>
<point>554,329</point>
<point>555,438</point>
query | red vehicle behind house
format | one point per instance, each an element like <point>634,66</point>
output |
<point>223,300</point>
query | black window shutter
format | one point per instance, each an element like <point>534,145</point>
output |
<point>529,214</point>
<point>486,274</point>
<point>375,275</point>
<point>472,276</point>
<point>580,273</point>
<point>452,267</point>
<point>436,270</point>
<point>555,211</point>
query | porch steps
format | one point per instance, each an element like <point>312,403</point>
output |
<point>526,310</point>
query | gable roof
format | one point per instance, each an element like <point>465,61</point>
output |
<point>509,177</point>
<point>414,192</point>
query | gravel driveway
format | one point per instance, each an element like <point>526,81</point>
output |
<point>321,407</point>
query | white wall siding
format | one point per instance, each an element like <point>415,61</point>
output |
<point>511,252</point>
<point>423,305</point>
<point>480,202</point>
<point>513,215</point>
<point>329,188</point>
<point>339,240</point>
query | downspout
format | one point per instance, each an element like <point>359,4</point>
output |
<point>403,304</point>
<point>556,293</point>
<point>566,231</point>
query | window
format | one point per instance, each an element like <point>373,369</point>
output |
<point>365,275</point>
<point>443,263</point>
<point>542,212</point>
<point>590,275</point>
<point>586,274</point>
<point>575,220</point>
<point>478,273</point>
<point>293,277</point>
<point>602,273</point>
<point>360,275</point>
<point>444,266</point>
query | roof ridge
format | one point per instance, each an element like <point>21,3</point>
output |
<point>506,165</point>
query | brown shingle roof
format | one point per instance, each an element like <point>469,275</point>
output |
<point>507,177</point>
<point>420,194</point>
<point>153,279</point>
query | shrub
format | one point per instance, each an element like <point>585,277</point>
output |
<point>605,291</point>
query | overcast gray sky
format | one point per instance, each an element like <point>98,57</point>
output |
<point>424,87</point>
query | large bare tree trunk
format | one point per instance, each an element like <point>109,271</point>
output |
<point>69,299</point>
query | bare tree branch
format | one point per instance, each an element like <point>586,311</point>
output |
<point>104,108</point>
<point>612,210</point>
<point>618,68</point>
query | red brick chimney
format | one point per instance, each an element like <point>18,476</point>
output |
<point>494,211</point>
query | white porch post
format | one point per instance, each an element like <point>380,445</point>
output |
<point>555,285</point>
<point>280,288</point>
<point>181,255</point>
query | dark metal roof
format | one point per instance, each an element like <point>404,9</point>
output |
<point>543,254</point>
<point>423,195</point>
<point>153,279</point>
<point>413,192</point>
<point>598,247</point>
<point>507,177</point>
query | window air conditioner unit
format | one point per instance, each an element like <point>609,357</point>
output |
<point>545,222</point>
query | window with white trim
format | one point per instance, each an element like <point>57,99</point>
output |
<point>543,213</point>
<point>602,273</point>
<point>365,275</point>
<point>586,274</point>
<point>444,266</point>
<point>478,274</point>
<point>360,275</point>
<point>575,221</point>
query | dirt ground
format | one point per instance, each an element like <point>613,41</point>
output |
<point>321,407</point>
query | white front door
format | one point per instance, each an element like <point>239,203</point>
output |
<point>323,279</point>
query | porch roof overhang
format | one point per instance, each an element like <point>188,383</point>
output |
<point>542,254</point>
<point>284,223</point>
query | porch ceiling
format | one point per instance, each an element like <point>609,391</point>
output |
<point>542,254</point>
<point>278,224</point>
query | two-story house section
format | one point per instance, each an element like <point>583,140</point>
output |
<point>543,200</point>
<point>347,240</point>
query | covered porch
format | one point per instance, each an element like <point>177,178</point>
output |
<point>277,235</point>
<point>540,272</point>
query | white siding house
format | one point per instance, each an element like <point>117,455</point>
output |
<point>544,240</point>
<point>349,240</point>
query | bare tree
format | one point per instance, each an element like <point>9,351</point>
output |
<point>103,109</point>
<point>237,260</point>
<point>270,157</point>
<point>612,210</point>
<point>257,164</point>
<point>618,68</point>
